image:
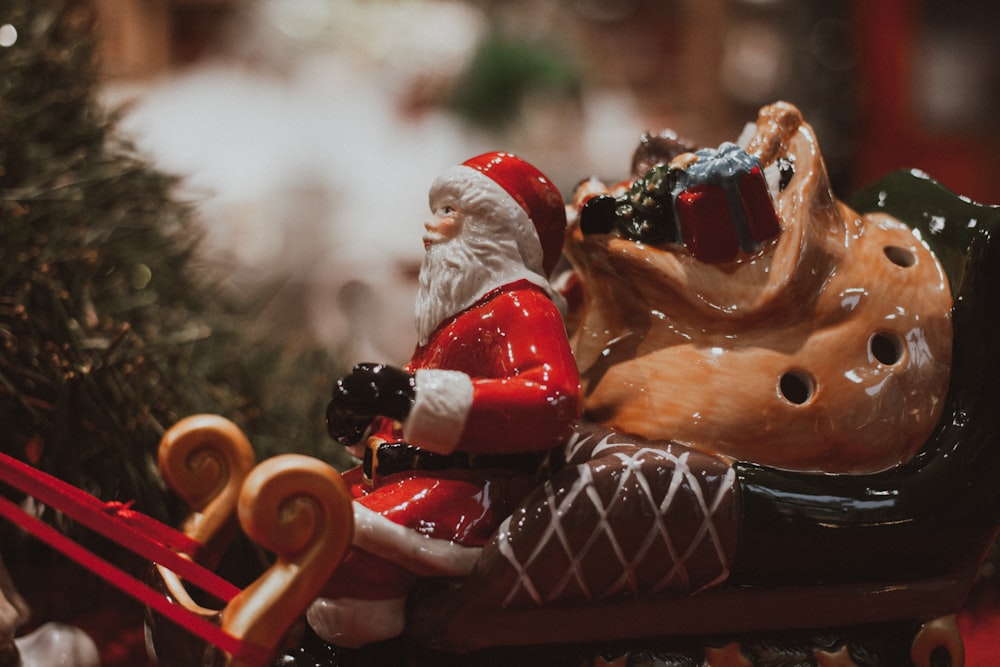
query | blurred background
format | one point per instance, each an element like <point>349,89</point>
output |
<point>308,131</point>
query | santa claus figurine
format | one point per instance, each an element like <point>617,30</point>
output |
<point>453,441</point>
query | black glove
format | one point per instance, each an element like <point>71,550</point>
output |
<point>368,391</point>
<point>346,429</point>
<point>598,215</point>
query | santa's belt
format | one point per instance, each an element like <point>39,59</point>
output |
<point>387,458</point>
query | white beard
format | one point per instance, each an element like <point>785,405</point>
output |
<point>457,272</point>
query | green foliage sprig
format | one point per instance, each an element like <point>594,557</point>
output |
<point>110,328</point>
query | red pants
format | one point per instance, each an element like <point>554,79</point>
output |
<point>463,507</point>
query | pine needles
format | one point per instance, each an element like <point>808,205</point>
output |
<point>110,329</point>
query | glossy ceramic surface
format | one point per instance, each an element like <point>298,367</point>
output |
<point>937,513</point>
<point>822,452</point>
<point>810,549</point>
<point>825,349</point>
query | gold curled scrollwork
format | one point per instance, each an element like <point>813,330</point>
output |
<point>298,508</point>
<point>204,459</point>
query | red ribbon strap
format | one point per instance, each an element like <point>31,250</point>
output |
<point>134,531</point>
<point>193,623</point>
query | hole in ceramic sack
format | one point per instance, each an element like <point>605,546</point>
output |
<point>886,348</point>
<point>797,387</point>
<point>941,657</point>
<point>900,256</point>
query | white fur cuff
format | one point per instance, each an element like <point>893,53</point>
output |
<point>352,622</point>
<point>442,404</point>
<point>420,554</point>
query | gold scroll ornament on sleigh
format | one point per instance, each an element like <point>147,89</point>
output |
<point>291,506</point>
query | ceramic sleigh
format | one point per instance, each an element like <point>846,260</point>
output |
<point>788,446</point>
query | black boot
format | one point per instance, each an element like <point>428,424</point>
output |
<point>315,652</point>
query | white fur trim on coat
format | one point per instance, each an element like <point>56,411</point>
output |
<point>442,402</point>
<point>353,622</point>
<point>420,554</point>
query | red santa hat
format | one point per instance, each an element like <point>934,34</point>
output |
<point>527,200</point>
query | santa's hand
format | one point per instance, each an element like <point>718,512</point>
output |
<point>346,429</point>
<point>372,390</point>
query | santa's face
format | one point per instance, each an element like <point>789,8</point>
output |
<point>461,262</point>
<point>478,238</point>
<point>444,224</point>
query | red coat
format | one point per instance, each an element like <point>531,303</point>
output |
<point>523,396</point>
<point>525,385</point>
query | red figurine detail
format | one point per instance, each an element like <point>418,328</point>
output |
<point>455,438</point>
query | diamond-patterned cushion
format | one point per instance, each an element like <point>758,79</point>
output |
<point>624,518</point>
